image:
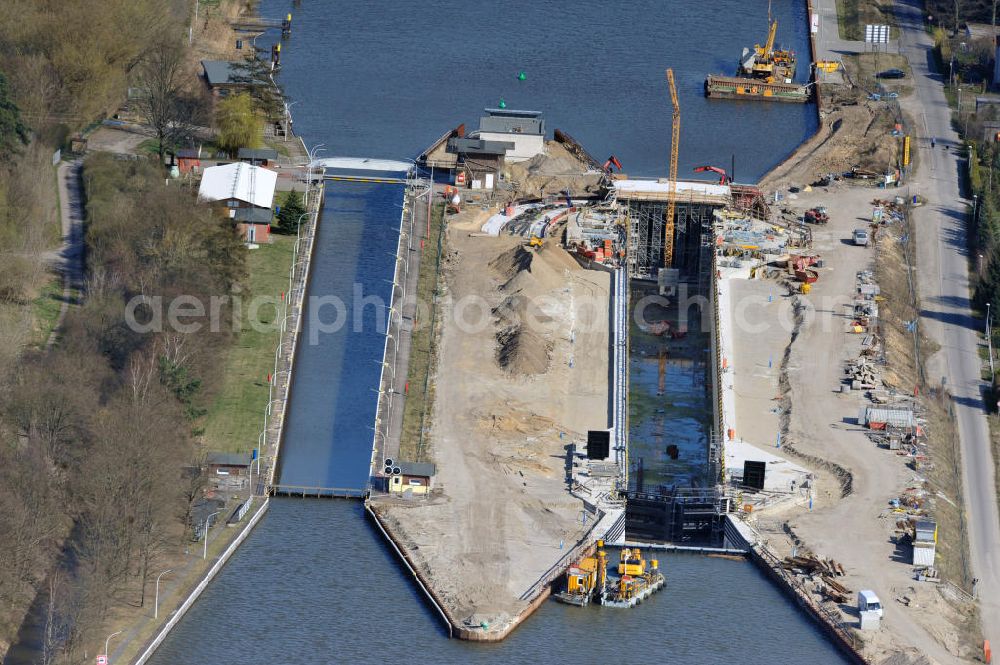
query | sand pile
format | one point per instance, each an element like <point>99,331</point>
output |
<point>552,172</point>
<point>531,281</point>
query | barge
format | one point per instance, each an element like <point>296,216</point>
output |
<point>587,580</point>
<point>765,72</point>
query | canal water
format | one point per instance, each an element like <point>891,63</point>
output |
<point>331,411</point>
<point>314,583</point>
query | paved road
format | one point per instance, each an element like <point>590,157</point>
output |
<point>944,287</point>
<point>71,254</point>
<point>401,329</point>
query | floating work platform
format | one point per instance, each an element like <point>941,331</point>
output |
<point>735,87</point>
<point>647,588</point>
<point>587,580</point>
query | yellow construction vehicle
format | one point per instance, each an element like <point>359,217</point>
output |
<point>535,241</point>
<point>766,63</point>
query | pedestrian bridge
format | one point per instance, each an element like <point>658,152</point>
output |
<point>363,164</point>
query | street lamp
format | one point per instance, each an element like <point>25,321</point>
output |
<point>107,641</point>
<point>156,603</point>
<point>204,554</point>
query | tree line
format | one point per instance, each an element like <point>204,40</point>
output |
<point>98,462</point>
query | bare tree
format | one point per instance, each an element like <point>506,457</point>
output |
<point>163,99</point>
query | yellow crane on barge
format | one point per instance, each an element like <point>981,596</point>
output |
<point>764,72</point>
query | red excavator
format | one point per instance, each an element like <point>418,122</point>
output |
<point>612,161</point>
<point>724,178</point>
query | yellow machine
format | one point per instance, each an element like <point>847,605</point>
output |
<point>586,578</point>
<point>675,142</point>
<point>535,241</point>
<point>766,63</point>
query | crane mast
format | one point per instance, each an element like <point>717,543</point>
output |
<point>675,140</point>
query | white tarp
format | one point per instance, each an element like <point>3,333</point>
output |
<point>234,181</point>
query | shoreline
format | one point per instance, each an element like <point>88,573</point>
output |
<point>300,276</point>
<point>821,125</point>
<point>454,627</point>
<point>757,552</point>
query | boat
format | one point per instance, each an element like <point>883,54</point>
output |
<point>764,72</point>
<point>587,580</point>
<point>637,581</point>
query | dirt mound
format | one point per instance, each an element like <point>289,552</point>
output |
<point>515,260</point>
<point>534,271</point>
<point>531,280</point>
<point>522,351</point>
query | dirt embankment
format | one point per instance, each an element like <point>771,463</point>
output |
<point>522,374</point>
<point>856,132</point>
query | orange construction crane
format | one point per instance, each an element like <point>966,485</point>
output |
<point>675,141</point>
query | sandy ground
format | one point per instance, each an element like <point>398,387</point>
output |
<point>853,134</point>
<point>523,372</point>
<point>853,530</point>
<point>552,172</point>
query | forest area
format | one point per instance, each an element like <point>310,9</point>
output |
<point>99,466</point>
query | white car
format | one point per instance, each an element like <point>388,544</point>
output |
<point>860,237</point>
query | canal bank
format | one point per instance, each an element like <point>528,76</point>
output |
<point>681,647</point>
<point>176,606</point>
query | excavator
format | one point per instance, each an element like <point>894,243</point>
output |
<point>724,178</point>
<point>612,161</point>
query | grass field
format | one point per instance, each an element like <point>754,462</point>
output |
<point>236,415</point>
<point>854,15</point>
<point>45,310</point>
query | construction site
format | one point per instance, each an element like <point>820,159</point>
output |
<point>573,397</point>
<point>642,365</point>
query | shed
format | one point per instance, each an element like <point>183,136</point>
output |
<point>525,129</point>
<point>254,224</point>
<point>415,477</point>
<point>481,160</point>
<point>975,32</point>
<point>925,531</point>
<point>228,464</point>
<point>257,156</point>
<point>991,131</point>
<point>238,185</point>
<point>880,418</point>
<point>188,160</point>
<point>924,542</point>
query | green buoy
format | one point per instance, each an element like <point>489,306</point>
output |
<point>521,76</point>
<point>502,104</point>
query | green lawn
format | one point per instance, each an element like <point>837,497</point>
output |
<point>236,415</point>
<point>45,310</point>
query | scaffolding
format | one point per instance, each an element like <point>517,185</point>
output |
<point>647,221</point>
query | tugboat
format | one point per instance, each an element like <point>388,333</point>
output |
<point>587,580</point>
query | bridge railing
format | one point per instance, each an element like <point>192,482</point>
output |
<point>328,492</point>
